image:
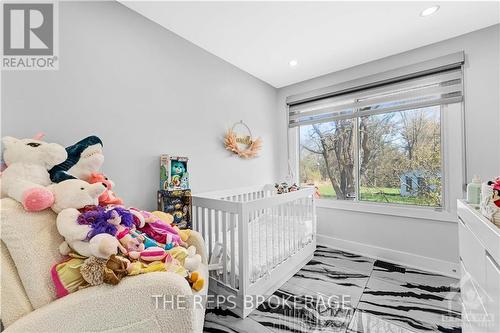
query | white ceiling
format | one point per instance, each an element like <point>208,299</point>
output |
<point>262,37</point>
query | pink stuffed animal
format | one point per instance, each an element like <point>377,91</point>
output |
<point>108,197</point>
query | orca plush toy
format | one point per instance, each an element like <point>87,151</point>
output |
<point>84,158</point>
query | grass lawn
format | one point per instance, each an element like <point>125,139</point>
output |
<point>379,194</point>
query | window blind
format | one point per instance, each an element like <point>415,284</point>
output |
<point>439,88</point>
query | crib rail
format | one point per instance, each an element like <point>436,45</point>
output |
<point>249,233</point>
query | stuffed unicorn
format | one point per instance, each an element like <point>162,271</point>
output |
<point>26,175</point>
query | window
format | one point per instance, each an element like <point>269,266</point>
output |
<point>382,144</point>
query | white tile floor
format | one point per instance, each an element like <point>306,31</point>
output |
<point>376,297</point>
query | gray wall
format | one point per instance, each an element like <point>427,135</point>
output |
<point>144,91</point>
<point>399,236</point>
<point>482,86</point>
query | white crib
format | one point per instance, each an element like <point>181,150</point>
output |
<point>262,239</point>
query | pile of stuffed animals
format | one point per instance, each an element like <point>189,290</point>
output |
<point>103,240</point>
<point>283,187</point>
<point>490,202</point>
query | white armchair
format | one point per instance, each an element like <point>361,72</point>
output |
<point>137,303</point>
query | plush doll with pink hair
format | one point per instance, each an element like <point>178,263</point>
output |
<point>161,232</point>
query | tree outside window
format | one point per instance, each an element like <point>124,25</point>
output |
<point>392,157</point>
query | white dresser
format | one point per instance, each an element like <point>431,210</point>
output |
<point>479,246</point>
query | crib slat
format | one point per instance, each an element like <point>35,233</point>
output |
<point>301,219</point>
<point>224,248</point>
<point>252,237</point>
<point>267,221</point>
<point>274,226</point>
<point>282,233</point>
<point>290,228</point>
<point>210,233</point>
<point>293,208</point>
<point>292,222</point>
<point>202,223</point>
<point>293,212</point>
<point>194,218</point>
<point>233,252</point>
<point>217,217</point>
<point>297,224</point>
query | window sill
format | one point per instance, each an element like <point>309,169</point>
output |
<point>425,213</point>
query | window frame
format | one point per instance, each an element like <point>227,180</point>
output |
<point>451,127</point>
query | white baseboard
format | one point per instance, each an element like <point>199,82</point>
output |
<point>398,257</point>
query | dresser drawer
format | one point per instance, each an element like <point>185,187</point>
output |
<point>492,290</point>
<point>472,254</point>
<point>475,319</point>
<point>482,228</point>
<point>474,323</point>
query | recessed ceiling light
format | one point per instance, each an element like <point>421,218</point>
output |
<point>429,11</point>
<point>293,63</point>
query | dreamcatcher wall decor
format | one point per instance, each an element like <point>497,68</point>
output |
<point>239,140</point>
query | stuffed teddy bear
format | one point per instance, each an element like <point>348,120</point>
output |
<point>70,196</point>
<point>84,157</point>
<point>177,171</point>
<point>26,176</point>
<point>108,197</point>
<point>96,271</point>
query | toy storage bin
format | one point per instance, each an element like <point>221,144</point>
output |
<point>258,237</point>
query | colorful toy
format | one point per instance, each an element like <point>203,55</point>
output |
<point>191,263</point>
<point>178,204</point>
<point>490,202</point>
<point>138,267</point>
<point>154,253</point>
<point>108,197</point>
<point>103,220</point>
<point>169,219</point>
<point>194,278</point>
<point>173,173</point>
<point>129,239</point>
<point>116,269</point>
<point>92,270</point>
<point>179,253</point>
<point>177,172</point>
<point>96,271</point>
<point>173,265</point>
<point>71,195</point>
<point>285,188</point>
<point>196,281</point>
<point>84,158</point>
<point>159,231</point>
<point>66,275</point>
<point>495,185</point>
<point>175,261</point>
<point>27,176</point>
<point>193,260</point>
